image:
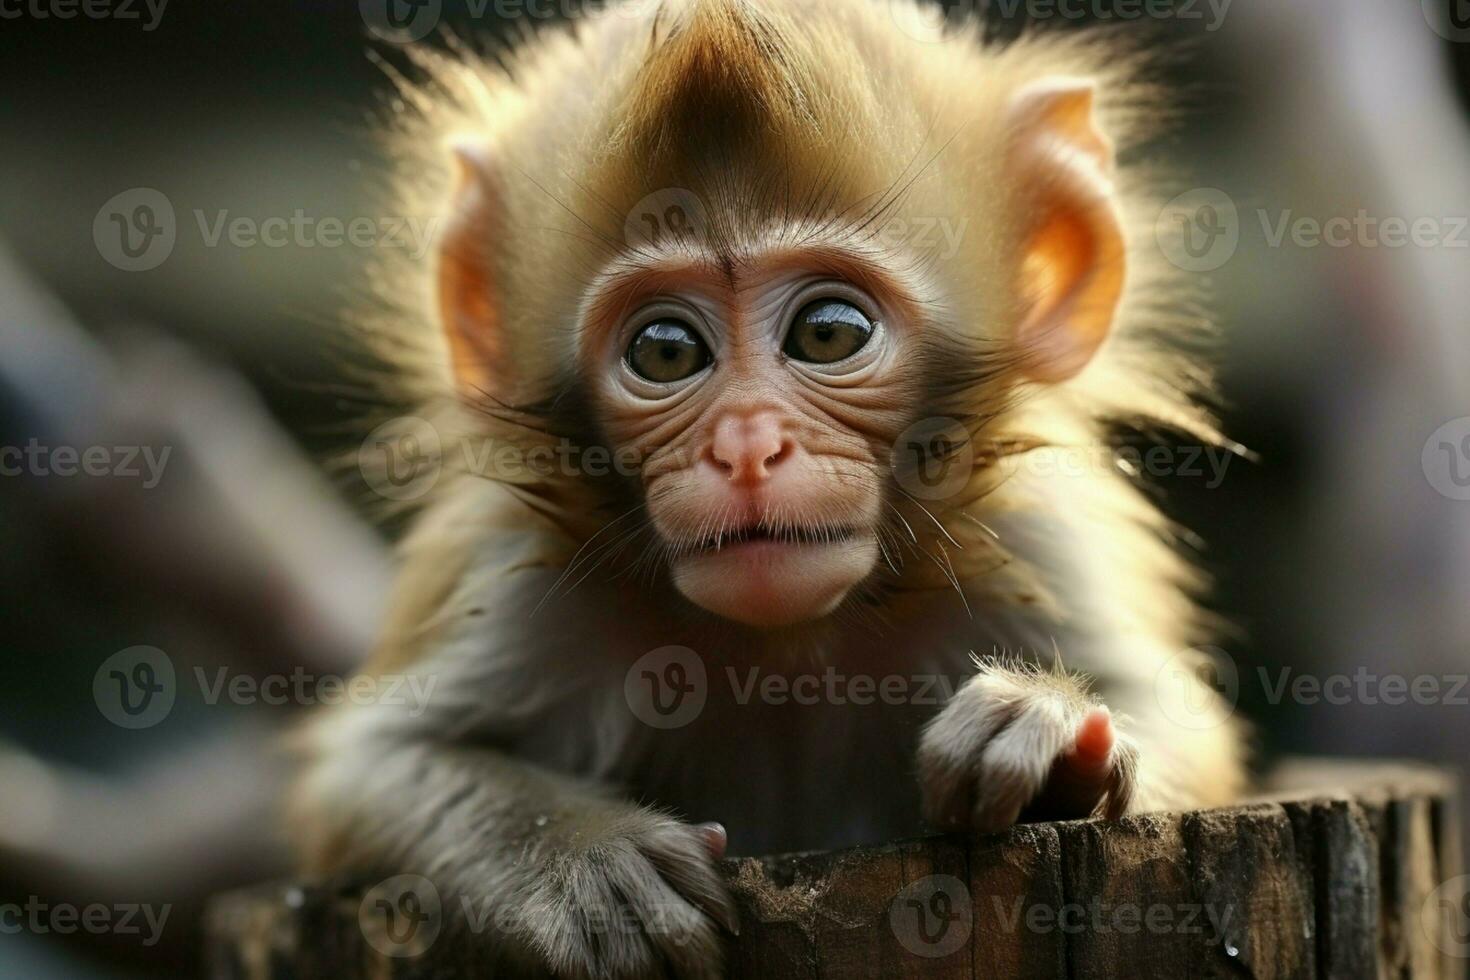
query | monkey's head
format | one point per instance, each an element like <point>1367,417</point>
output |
<point>760,256</point>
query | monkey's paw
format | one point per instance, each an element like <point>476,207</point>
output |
<point>1019,744</point>
<point>637,898</point>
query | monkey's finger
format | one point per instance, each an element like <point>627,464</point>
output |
<point>1122,779</point>
<point>947,752</point>
<point>1090,760</point>
<point>1015,766</point>
<point>1082,775</point>
<point>715,837</point>
<point>686,940</point>
<point>682,858</point>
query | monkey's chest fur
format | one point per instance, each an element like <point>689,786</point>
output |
<point>805,753</point>
<point>784,775</point>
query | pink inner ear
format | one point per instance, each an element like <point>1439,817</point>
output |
<point>1072,269</point>
<point>469,301</point>
<point>1072,280</point>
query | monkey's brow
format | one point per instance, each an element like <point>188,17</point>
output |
<point>622,285</point>
<point>727,266</point>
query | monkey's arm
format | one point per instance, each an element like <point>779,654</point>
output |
<point>559,873</point>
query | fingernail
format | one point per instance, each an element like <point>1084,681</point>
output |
<point>715,838</point>
<point>1095,734</point>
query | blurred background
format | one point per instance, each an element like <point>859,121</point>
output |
<point>1327,162</point>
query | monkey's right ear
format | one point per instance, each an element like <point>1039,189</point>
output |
<point>468,279</point>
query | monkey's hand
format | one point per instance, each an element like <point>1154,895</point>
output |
<point>627,895</point>
<point>1020,743</point>
<point>564,878</point>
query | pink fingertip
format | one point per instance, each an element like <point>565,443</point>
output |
<point>1095,737</point>
<point>715,838</point>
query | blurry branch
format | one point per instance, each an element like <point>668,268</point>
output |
<point>238,551</point>
<point>241,535</point>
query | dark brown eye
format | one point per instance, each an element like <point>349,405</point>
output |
<point>666,351</point>
<point>827,331</point>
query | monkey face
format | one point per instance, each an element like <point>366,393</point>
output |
<point>761,396</point>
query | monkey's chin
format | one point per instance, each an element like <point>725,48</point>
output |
<point>770,584</point>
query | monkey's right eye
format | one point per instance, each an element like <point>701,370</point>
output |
<point>666,351</point>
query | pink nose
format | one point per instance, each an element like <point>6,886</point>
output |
<point>747,447</point>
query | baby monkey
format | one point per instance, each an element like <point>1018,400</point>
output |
<point>801,458</point>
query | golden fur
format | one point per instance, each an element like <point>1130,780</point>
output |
<point>788,122</point>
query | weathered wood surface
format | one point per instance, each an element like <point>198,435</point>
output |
<point>1349,870</point>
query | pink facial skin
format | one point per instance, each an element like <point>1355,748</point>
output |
<point>763,473</point>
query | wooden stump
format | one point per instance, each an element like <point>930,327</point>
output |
<point>1346,870</point>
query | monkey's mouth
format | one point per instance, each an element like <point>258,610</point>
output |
<point>762,533</point>
<point>770,574</point>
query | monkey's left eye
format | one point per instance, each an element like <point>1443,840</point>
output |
<point>666,351</point>
<point>827,331</point>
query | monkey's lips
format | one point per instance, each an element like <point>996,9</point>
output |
<point>769,577</point>
<point>760,535</point>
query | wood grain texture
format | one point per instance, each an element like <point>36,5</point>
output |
<point>1342,870</point>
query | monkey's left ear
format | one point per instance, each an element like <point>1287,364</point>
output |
<point>1072,264</point>
<point>469,297</point>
